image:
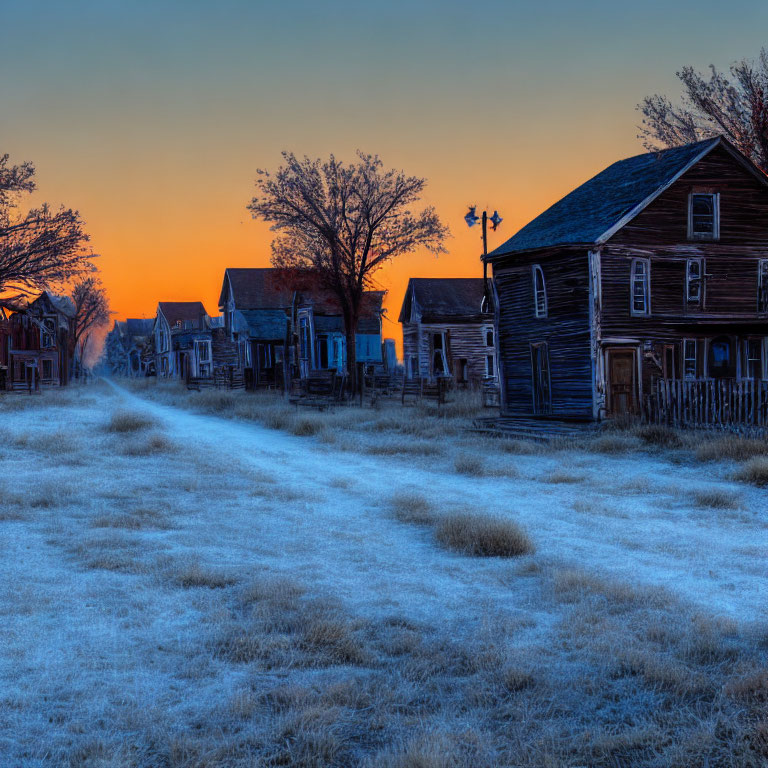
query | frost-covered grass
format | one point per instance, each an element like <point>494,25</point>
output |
<point>246,597</point>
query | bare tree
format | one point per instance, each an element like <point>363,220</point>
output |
<point>91,312</point>
<point>342,223</point>
<point>735,107</point>
<point>41,247</point>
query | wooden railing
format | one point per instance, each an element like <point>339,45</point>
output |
<point>708,402</point>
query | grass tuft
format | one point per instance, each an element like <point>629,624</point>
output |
<point>195,575</point>
<point>413,508</point>
<point>731,448</point>
<point>472,466</point>
<point>754,472</point>
<point>129,421</point>
<point>482,535</point>
<point>716,498</point>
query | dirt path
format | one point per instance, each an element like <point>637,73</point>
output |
<point>635,522</point>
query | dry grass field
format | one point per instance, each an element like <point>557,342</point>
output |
<point>194,580</point>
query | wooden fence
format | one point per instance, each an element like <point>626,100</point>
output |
<point>708,403</point>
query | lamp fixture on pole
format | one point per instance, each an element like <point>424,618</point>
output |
<point>472,218</point>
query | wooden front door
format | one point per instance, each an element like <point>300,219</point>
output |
<point>622,385</point>
<point>542,390</point>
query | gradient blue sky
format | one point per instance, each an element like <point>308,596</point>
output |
<point>152,117</point>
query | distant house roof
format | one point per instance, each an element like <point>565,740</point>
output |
<point>593,212</point>
<point>138,326</point>
<point>439,299</point>
<point>256,288</point>
<point>185,312</point>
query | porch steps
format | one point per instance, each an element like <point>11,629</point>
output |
<point>539,430</point>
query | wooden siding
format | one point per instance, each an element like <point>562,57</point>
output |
<point>566,331</point>
<point>464,341</point>
<point>728,306</point>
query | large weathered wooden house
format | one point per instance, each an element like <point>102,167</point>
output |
<point>40,348</point>
<point>129,349</point>
<point>286,327</point>
<point>645,290</point>
<point>182,340</point>
<point>448,330</point>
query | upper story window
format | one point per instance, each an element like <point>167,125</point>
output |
<point>704,216</point>
<point>641,281</point>
<point>694,281</point>
<point>762,285</point>
<point>489,337</point>
<point>48,333</point>
<point>539,292</point>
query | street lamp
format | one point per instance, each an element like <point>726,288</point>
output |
<point>472,218</point>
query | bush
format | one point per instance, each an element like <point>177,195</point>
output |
<point>483,535</point>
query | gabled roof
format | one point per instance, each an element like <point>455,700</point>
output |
<point>184,311</point>
<point>256,288</point>
<point>597,209</point>
<point>439,299</point>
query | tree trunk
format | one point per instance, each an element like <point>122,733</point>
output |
<point>350,329</point>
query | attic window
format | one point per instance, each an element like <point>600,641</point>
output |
<point>704,216</point>
<point>539,292</point>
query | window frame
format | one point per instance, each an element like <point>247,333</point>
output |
<point>687,358</point>
<point>762,285</point>
<point>48,333</point>
<point>758,362</point>
<point>698,300</point>
<point>646,280</point>
<point>715,216</point>
<point>488,332</point>
<point>490,366</point>
<point>443,354</point>
<point>538,272</point>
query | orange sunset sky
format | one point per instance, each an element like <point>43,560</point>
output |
<point>151,118</point>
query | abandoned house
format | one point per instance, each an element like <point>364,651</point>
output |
<point>268,311</point>
<point>448,330</point>
<point>642,292</point>
<point>183,340</point>
<point>40,348</point>
<point>129,347</point>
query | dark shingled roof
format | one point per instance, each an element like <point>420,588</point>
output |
<point>186,311</point>
<point>257,288</point>
<point>622,190</point>
<point>444,299</point>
